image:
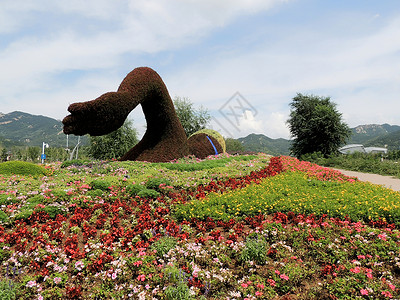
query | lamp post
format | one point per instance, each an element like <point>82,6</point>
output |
<point>43,156</point>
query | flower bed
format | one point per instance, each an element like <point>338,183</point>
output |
<point>93,241</point>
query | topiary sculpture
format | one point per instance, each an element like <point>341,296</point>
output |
<point>206,142</point>
<point>164,139</point>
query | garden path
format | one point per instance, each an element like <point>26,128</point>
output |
<point>387,181</point>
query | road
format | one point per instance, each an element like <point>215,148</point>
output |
<point>387,181</point>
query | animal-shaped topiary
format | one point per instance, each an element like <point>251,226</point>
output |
<point>206,142</point>
<point>164,139</point>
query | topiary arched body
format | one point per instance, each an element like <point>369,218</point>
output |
<point>164,139</point>
<point>202,145</point>
<point>206,142</point>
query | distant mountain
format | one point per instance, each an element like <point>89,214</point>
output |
<point>19,128</point>
<point>364,134</point>
<point>384,135</point>
<point>389,140</point>
<point>262,143</point>
<point>23,129</point>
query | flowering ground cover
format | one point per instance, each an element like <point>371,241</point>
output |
<point>224,228</point>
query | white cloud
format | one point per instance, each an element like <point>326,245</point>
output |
<point>95,35</point>
<point>359,72</point>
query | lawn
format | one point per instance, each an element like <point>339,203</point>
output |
<point>227,227</point>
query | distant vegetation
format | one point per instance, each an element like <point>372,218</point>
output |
<point>361,162</point>
<point>22,134</point>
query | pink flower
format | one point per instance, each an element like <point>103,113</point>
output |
<point>355,270</point>
<point>260,286</point>
<point>392,286</point>
<point>259,293</point>
<point>137,263</point>
<point>277,272</point>
<point>141,277</point>
<point>31,283</point>
<point>284,276</point>
<point>382,236</point>
<point>57,280</point>
<point>79,265</point>
<point>387,294</point>
<point>364,292</point>
<point>271,282</point>
<point>244,285</point>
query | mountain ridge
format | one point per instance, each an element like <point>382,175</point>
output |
<point>18,128</point>
<point>23,129</point>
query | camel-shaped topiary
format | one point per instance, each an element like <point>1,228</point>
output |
<point>164,139</point>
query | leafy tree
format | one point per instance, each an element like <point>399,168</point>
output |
<point>114,144</point>
<point>233,145</point>
<point>33,153</point>
<point>191,119</point>
<point>316,126</point>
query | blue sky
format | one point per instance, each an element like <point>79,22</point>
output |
<point>243,60</point>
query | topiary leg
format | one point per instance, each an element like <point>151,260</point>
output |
<point>164,139</point>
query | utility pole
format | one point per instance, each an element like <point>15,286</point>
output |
<point>43,156</point>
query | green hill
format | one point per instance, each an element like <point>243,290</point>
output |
<point>384,135</point>
<point>262,143</point>
<point>19,128</point>
<point>364,133</point>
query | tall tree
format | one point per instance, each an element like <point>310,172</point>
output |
<point>114,144</point>
<point>192,119</point>
<point>233,145</point>
<point>316,125</point>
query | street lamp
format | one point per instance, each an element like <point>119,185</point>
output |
<point>43,157</point>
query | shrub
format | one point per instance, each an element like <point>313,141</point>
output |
<point>134,189</point>
<point>179,292</point>
<point>95,193</point>
<point>53,211</point>
<point>163,245</point>
<point>154,183</point>
<point>34,201</point>
<point>148,193</point>
<point>255,250</point>
<point>3,217</point>
<point>74,162</point>
<point>21,168</point>
<point>6,199</point>
<point>24,214</point>
<point>6,290</point>
<point>206,164</point>
<point>100,184</point>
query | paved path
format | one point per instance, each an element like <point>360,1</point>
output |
<point>387,181</point>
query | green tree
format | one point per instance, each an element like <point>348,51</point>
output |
<point>114,144</point>
<point>191,119</point>
<point>316,126</point>
<point>33,153</point>
<point>233,145</point>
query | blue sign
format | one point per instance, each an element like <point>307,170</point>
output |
<point>43,156</point>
